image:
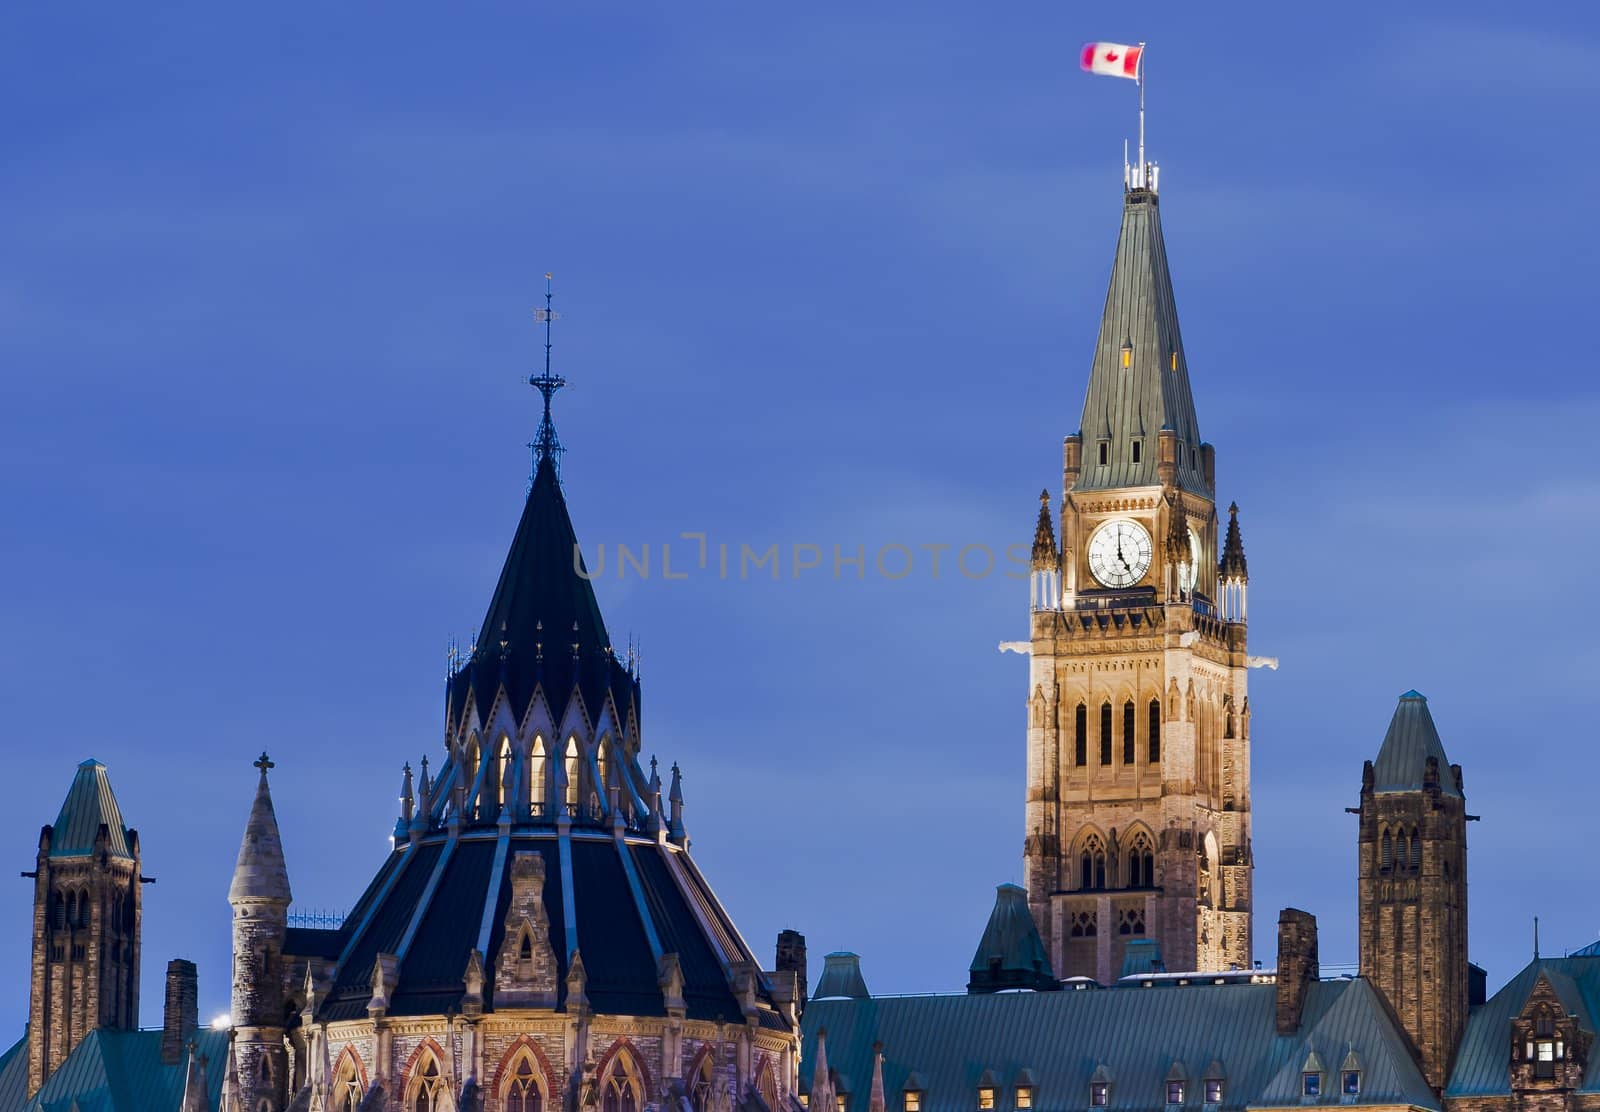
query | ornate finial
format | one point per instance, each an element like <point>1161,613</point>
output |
<point>546,444</point>
<point>263,763</point>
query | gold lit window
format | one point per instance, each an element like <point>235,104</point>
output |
<point>1024,1096</point>
<point>913,1101</point>
<point>985,1098</point>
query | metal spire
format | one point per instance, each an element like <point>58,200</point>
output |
<point>546,444</point>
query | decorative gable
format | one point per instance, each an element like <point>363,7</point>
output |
<point>526,974</point>
<point>1550,1038</point>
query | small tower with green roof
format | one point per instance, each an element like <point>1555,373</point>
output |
<point>86,919</point>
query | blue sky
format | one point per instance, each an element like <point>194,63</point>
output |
<point>827,276</point>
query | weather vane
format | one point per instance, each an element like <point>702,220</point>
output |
<point>546,444</point>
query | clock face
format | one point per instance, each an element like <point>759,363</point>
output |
<point>1119,553</point>
<point>1190,572</point>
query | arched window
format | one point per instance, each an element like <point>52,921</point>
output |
<point>767,1085</point>
<point>522,1092</point>
<point>471,767</point>
<point>574,770</point>
<point>536,777</point>
<point>347,1086</point>
<point>1386,851</point>
<point>428,1091</point>
<point>1105,732</point>
<point>1141,862</point>
<point>622,1090</point>
<point>1416,851</point>
<point>1155,731</point>
<point>503,770</point>
<point>603,758</point>
<point>1080,749</point>
<point>700,1086</point>
<point>1127,732</point>
<point>1092,864</point>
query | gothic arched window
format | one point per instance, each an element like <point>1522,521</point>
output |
<point>1155,731</point>
<point>574,770</point>
<point>503,769</point>
<point>1128,717</point>
<point>347,1087</point>
<point>536,777</point>
<point>1141,862</point>
<point>1386,851</point>
<point>622,1090</point>
<point>1105,732</point>
<point>1080,749</point>
<point>522,1092</point>
<point>603,760</point>
<point>700,1086</point>
<point>1416,851</point>
<point>428,1092</point>
<point>1092,864</point>
<point>767,1085</point>
<point>470,767</point>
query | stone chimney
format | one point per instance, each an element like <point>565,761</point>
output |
<point>1297,965</point>
<point>792,959</point>
<point>180,1017</point>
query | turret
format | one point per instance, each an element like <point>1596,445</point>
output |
<point>1233,573</point>
<point>1044,582</point>
<point>1413,885</point>
<point>260,898</point>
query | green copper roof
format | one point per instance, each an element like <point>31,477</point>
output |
<point>1134,402</point>
<point>112,1071</point>
<point>90,803</point>
<point>1411,740</point>
<point>1131,1036</point>
<point>841,976</point>
<point>1482,1064</point>
<point>1010,954</point>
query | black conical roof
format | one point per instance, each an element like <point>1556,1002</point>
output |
<point>543,605</point>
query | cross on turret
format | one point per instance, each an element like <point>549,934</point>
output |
<point>264,763</point>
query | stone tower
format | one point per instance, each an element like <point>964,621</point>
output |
<point>86,919</point>
<point>1138,808</point>
<point>260,898</point>
<point>1413,884</point>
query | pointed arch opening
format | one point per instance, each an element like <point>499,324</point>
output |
<point>503,770</point>
<point>1155,731</point>
<point>767,1083</point>
<point>1092,864</point>
<point>348,1083</point>
<point>522,1085</point>
<point>1128,740</point>
<point>573,767</point>
<point>427,1089</point>
<point>1141,860</point>
<point>538,775</point>
<point>1080,748</point>
<point>701,1083</point>
<point>622,1087</point>
<point>1105,732</point>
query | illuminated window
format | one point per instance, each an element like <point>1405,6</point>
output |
<point>1127,353</point>
<point>536,776</point>
<point>1024,1096</point>
<point>985,1098</point>
<point>1174,1092</point>
<point>1099,1094</point>
<point>503,774</point>
<point>842,1102</point>
<point>573,770</point>
<point>428,1093</point>
<point>913,1101</point>
<point>1214,1091</point>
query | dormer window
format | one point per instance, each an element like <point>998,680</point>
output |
<point>1138,450</point>
<point>985,1098</point>
<point>1174,1092</point>
<point>1214,1090</point>
<point>1311,1085</point>
<point>1104,448</point>
<point>1127,354</point>
<point>1350,1083</point>
<point>913,1101</point>
<point>1099,1094</point>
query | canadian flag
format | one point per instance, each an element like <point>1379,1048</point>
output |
<point>1112,59</point>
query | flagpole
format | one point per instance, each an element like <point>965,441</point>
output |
<point>1144,180</point>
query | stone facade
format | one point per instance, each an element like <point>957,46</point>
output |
<point>86,931</point>
<point>1413,909</point>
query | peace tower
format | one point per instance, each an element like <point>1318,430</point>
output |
<point>1138,806</point>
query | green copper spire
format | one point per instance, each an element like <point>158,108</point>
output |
<point>1139,381</point>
